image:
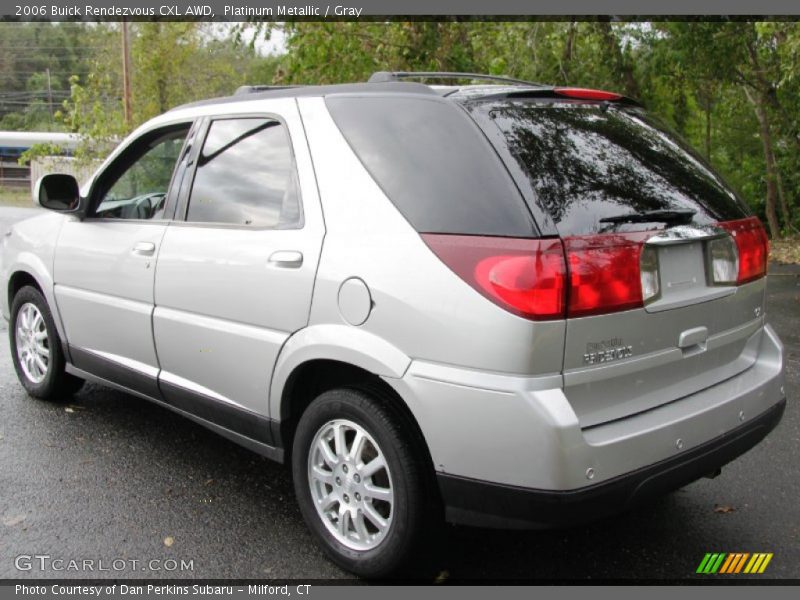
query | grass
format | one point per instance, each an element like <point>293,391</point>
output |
<point>12,196</point>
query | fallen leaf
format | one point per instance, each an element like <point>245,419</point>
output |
<point>723,508</point>
<point>209,482</point>
<point>168,541</point>
<point>442,577</point>
<point>15,520</point>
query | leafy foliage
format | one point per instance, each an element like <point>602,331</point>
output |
<point>730,87</point>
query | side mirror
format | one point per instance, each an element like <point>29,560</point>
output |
<point>58,192</point>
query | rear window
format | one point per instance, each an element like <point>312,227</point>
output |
<point>586,162</point>
<point>246,176</point>
<point>434,164</point>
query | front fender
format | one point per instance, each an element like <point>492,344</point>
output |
<point>342,343</point>
<point>30,248</point>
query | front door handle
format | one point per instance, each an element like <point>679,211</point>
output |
<point>286,259</point>
<point>144,249</point>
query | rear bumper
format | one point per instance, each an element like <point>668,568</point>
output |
<point>485,504</point>
<point>510,451</point>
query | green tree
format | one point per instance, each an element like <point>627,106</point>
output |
<point>171,63</point>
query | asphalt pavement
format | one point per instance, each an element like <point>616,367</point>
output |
<point>110,477</point>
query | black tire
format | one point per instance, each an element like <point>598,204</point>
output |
<point>57,384</point>
<point>414,511</point>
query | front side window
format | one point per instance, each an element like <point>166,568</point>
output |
<point>136,188</point>
<point>246,176</point>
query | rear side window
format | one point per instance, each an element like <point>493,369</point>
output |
<point>434,164</point>
<point>246,176</point>
<point>586,162</point>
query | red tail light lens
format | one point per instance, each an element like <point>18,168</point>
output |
<point>753,247</point>
<point>604,273</point>
<point>584,94</point>
<point>601,273</point>
<point>525,277</point>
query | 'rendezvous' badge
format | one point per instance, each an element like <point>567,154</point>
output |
<point>606,351</point>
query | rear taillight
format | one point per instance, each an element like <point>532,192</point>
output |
<point>752,245</point>
<point>526,277</point>
<point>543,279</point>
<point>605,274</point>
<point>649,274</point>
<point>723,258</point>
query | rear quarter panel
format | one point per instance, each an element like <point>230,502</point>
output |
<point>418,304</point>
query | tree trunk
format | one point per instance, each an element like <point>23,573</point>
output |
<point>787,221</point>
<point>622,68</point>
<point>708,108</point>
<point>566,58</point>
<point>759,103</point>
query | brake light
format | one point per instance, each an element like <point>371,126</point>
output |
<point>586,94</point>
<point>605,274</point>
<point>753,246</point>
<point>525,277</point>
<point>543,279</point>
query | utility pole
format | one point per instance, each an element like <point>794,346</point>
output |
<point>126,75</point>
<point>49,96</point>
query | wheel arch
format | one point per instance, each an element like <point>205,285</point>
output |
<point>326,357</point>
<point>30,269</point>
<point>341,344</point>
<point>18,280</point>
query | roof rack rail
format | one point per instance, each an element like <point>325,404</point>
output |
<point>251,89</point>
<point>386,76</point>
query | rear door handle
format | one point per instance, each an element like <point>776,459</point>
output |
<point>144,248</point>
<point>286,259</point>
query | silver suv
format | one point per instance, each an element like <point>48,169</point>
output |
<point>504,304</point>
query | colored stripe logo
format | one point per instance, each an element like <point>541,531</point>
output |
<point>734,562</point>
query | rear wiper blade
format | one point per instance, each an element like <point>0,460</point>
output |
<point>672,217</point>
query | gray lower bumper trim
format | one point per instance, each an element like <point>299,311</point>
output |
<point>485,504</point>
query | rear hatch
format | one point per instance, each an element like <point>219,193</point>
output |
<point>665,289</point>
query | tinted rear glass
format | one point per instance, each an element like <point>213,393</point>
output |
<point>434,164</point>
<point>586,162</point>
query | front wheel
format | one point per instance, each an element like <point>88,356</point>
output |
<point>36,348</point>
<point>360,482</point>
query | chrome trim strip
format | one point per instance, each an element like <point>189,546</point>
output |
<point>682,234</point>
<point>195,388</point>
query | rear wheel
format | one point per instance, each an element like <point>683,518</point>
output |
<point>360,482</point>
<point>36,348</point>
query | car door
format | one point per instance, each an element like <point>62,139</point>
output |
<point>235,276</point>
<point>105,264</point>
